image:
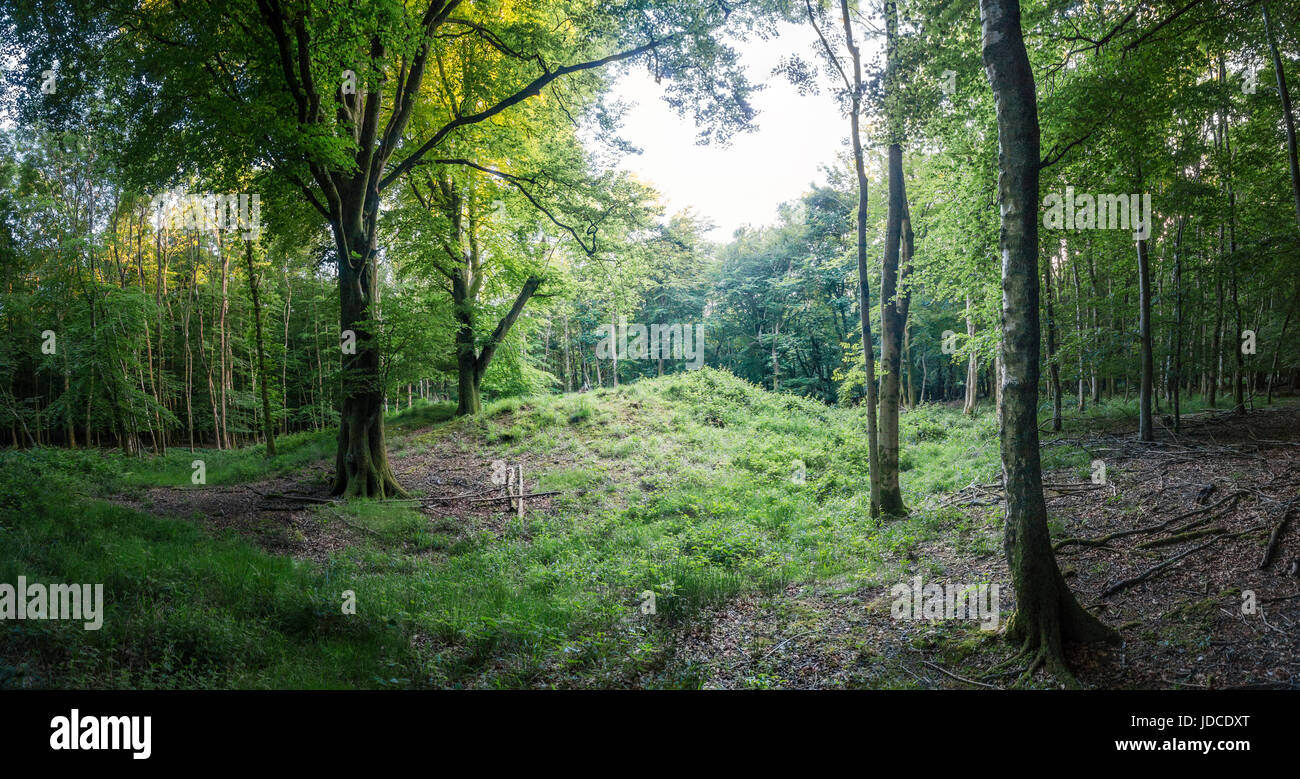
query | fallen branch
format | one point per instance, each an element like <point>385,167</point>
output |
<point>298,498</point>
<point>461,496</point>
<point>500,498</point>
<point>1276,535</point>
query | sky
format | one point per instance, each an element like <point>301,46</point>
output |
<point>743,182</point>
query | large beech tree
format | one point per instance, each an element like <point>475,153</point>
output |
<point>322,102</point>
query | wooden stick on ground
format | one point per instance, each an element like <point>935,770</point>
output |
<point>521,491</point>
<point>1276,535</point>
<point>512,497</point>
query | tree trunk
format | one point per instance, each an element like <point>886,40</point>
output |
<point>864,287</point>
<point>568,374</point>
<point>225,357</point>
<point>1239,371</point>
<point>361,463</point>
<point>776,362</point>
<point>997,382</point>
<point>613,348</point>
<point>893,314</point>
<point>1216,344</point>
<point>972,364</point>
<point>909,395</point>
<point>1047,615</point>
<point>1053,365</point>
<point>1288,118</point>
<point>268,424</point>
<point>1078,328</point>
<point>1175,384</point>
<point>1146,431</point>
<point>467,376</point>
<point>893,300</point>
<point>471,365</point>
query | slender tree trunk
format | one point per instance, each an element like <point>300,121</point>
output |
<point>1239,371</point>
<point>909,395</point>
<point>1175,384</point>
<point>1096,325</point>
<point>1146,430</point>
<point>894,268</point>
<point>613,350</point>
<point>998,375</point>
<point>1053,365</point>
<point>226,368</point>
<point>284,359</point>
<point>1288,118</point>
<point>268,423</point>
<point>568,365</point>
<point>776,363</point>
<point>1047,614</point>
<point>972,364</point>
<point>1078,328</point>
<point>1216,345</point>
<point>864,287</point>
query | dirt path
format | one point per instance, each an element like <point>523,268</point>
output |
<point>292,514</point>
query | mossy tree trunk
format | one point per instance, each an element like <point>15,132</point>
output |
<point>1047,615</point>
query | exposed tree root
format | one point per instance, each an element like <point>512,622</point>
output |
<point>1102,540</point>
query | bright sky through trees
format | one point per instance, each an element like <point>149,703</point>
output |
<point>743,182</point>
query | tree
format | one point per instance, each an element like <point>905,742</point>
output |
<point>268,421</point>
<point>852,95</point>
<point>895,266</point>
<point>1047,614</point>
<point>323,102</point>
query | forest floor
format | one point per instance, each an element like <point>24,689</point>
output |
<point>1168,550</point>
<point>681,488</point>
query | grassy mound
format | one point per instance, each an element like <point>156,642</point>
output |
<point>677,493</point>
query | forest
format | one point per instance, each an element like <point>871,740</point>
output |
<point>349,345</point>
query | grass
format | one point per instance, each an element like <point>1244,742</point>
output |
<point>222,466</point>
<point>687,487</point>
<point>183,608</point>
